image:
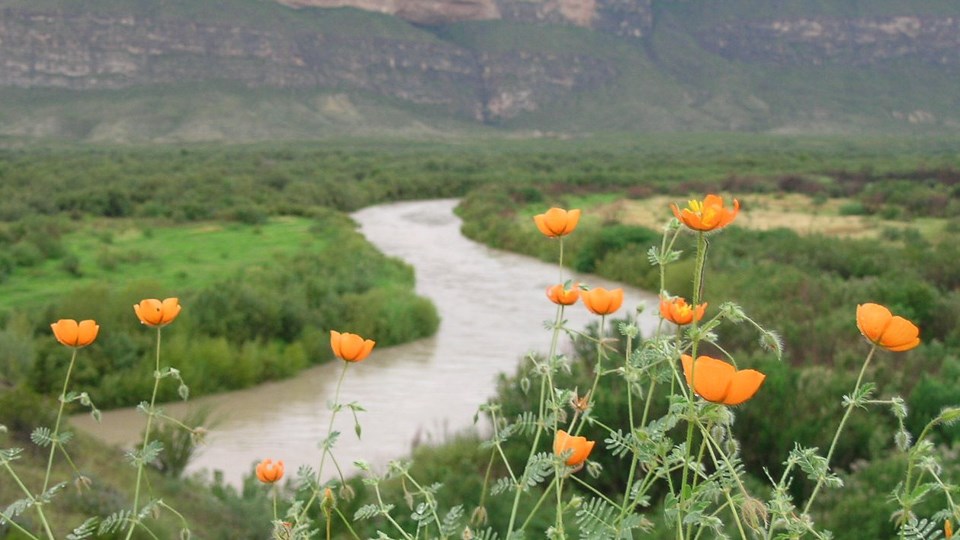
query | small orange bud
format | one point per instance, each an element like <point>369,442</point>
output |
<point>269,472</point>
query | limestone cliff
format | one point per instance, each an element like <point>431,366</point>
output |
<point>622,63</point>
<point>621,17</point>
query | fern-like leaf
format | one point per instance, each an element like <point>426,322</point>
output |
<point>85,530</point>
<point>42,437</point>
<point>486,534</point>
<point>16,508</point>
<point>451,521</point>
<point>538,468</point>
<point>922,529</point>
<point>595,519</point>
<point>366,511</point>
<point>114,522</point>
<point>502,485</point>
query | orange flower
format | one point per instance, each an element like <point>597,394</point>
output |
<point>557,222</point>
<point>558,294</point>
<point>678,312</point>
<point>73,334</point>
<point>350,347</point>
<point>153,312</point>
<point>581,447</point>
<point>947,529</point>
<point>878,325</point>
<point>269,472</point>
<point>706,215</point>
<point>601,301</point>
<point>717,381</point>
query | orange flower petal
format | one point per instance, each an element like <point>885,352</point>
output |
<point>350,347</point>
<point>87,332</point>
<point>706,215</point>
<point>872,319</point>
<point>710,377</point>
<point>169,308</point>
<point>335,343</point>
<point>557,222</point>
<point>580,446</point>
<point>900,335</point>
<point>66,332</point>
<point>269,472</point>
<point>149,311</point>
<point>713,200</point>
<point>743,386</point>
<point>601,301</point>
<point>564,297</point>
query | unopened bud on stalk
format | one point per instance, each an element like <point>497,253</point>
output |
<point>478,517</point>
<point>82,482</point>
<point>329,502</point>
<point>346,493</point>
<point>754,513</point>
<point>580,404</point>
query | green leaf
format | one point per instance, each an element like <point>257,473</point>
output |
<point>85,530</point>
<point>42,437</point>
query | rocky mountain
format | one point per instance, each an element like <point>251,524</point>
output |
<point>252,69</point>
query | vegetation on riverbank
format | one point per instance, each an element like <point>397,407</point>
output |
<point>117,225</point>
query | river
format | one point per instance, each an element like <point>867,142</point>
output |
<point>492,308</point>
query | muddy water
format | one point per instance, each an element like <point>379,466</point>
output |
<point>492,309</point>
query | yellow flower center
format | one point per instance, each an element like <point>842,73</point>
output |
<point>695,206</point>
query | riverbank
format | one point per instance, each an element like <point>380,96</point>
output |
<point>492,308</point>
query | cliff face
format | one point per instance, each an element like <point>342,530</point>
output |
<point>526,57</point>
<point>857,41</point>
<point>96,52</point>
<point>621,17</point>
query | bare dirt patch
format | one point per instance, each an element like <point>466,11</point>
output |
<point>760,211</point>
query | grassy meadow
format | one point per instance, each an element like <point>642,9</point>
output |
<point>252,239</point>
<point>178,257</point>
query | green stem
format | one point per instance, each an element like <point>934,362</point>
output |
<point>146,441</point>
<point>326,449</point>
<point>539,502</point>
<point>37,504</point>
<point>430,500</point>
<point>55,441</point>
<point>843,422</point>
<point>559,521</point>
<point>346,522</point>
<point>387,515</point>
<point>17,526</point>
<point>599,367</point>
<point>697,290</point>
<point>541,407</point>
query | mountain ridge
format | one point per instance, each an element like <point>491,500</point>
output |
<point>806,66</point>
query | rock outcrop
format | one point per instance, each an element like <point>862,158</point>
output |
<point>487,72</point>
<point>822,40</point>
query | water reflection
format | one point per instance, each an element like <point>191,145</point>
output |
<point>492,309</point>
